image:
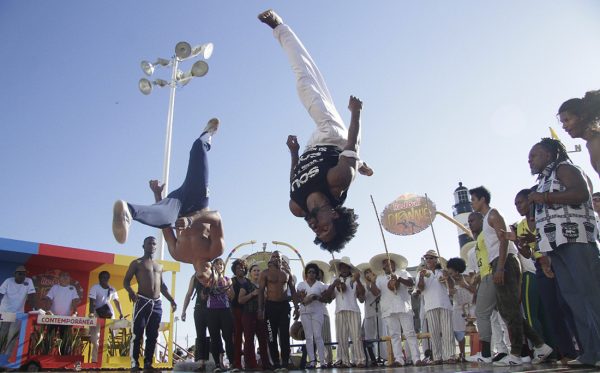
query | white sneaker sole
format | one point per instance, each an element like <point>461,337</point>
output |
<point>502,364</point>
<point>212,126</point>
<point>540,358</point>
<point>121,221</point>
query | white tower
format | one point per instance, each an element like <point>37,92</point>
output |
<point>461,210</point>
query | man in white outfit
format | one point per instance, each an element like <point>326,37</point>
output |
<point>347,290</point>
<point>14,292</point>
<point>100,297</point>
<point>321,176</point>
<point>396,309</point>
<point>373,325</point>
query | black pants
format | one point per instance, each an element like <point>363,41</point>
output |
<point>146,316</point>
<point>277,315</point>
<point>202,341</point>
<point>220,324</point>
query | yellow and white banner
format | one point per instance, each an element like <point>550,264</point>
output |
<point>66,320</point>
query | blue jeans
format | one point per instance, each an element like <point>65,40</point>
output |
<point>577,269</point>
<point>557,315</point>
<point>191,196</point>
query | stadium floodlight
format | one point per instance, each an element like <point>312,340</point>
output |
<point>183,51</point>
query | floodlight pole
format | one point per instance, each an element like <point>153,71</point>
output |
<point>168,136</point>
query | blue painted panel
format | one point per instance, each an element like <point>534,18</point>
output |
<point>24,247</point>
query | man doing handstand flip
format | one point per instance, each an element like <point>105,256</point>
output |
<point>199,237</point>
<point>321,176</point>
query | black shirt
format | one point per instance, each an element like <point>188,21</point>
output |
<point>200,297</point>
<point>310,175</point>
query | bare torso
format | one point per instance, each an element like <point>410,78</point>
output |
<point>593,146</point>
<point>149,277</point>
<point>276,284</point>
<point>194,245</point>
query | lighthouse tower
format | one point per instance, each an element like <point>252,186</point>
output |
<point>461,210</point>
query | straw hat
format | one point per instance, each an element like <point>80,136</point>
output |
<point>20,269</point>
<point>441,260</point>
<point>323,267</point>
<point>335,264</point>
<point>376,262</point>
<point>362,267</point>
<point>431,253</point>
<point>297,331</point>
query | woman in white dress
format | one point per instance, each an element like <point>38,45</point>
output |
<point>309,295</point>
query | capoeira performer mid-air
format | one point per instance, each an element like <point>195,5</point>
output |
<point>321,176</point>
<point>199,231</point>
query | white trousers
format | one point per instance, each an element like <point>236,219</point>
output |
<point>347,326</point>
<point>500,339</point>
<point>313,91</point>
<point>440,325</point>
<point>313,325</point>
<point>396,323</point>
<point>9,336</point>
<point>326,332</point>
<point>94,336</point>
<point>370,329</point>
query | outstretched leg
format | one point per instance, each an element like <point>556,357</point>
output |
<point>191,196</point>
<point>310,84</point>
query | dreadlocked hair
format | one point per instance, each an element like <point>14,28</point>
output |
<point>556,149</point>
<point>345,228</point>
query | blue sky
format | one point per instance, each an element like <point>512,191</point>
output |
<point>452,91</point>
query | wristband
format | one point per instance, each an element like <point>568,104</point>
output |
<point>546,198</point>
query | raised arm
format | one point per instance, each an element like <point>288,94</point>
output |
<point>340,177</point>
<point>294,147</point>
<point>156,189</point>
<point>355,107</point>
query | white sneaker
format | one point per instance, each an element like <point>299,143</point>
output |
<point>121,221</point>
<point>508,361</point>
<point>211,128</point>
<point>526,359</point>
<point>540,354</point>
<point>477,358</point>
<point>574,363</point>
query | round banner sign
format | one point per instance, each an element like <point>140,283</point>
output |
<point>408,214</point>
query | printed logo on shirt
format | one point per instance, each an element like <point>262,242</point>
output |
<point>304,177</point>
